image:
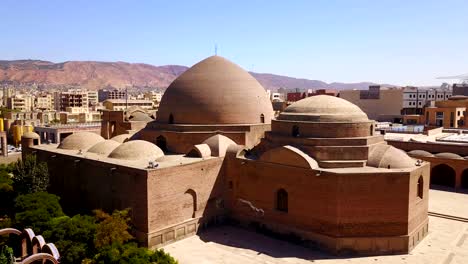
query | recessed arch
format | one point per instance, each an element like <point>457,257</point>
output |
<point>193,195</point>
<point>443,175</point>
<point>161,142</point>
<point>464,179</point>
<point>282,200</point>
<point>420,187</point>
<point>295,131</point>
<point>171,119</point>
<point>262,118</point>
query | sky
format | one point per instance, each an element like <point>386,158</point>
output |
<point>395,42</point>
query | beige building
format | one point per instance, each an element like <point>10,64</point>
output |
<point>154,97</point>
<point>44,102</point>
<point>93,98</point>
<point>21,102</point>
<point>379,104</point>
<point>71,98</point>
<point>122,104</point>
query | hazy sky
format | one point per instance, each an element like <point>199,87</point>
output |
<point>397,42</point>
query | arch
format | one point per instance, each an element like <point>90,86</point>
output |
<point>8,231</point>
<point>464,179</point>
<point>37,243</point>
<point>52,250</point>
<point>371,132</point>
<point>282,200</point>
<point>199,151</point>
<point>295,131</point>
<point>443,175</point>
<point>43,257</point>
<point>193,194</point>
<point>171,119</point>
<point>161,142</point>
<point>420,187</point>
<point>262,118</point>
<point>26,242</point>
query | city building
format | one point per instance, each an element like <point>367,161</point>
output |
<point>450,113</point>
<point>104,94</point>
<point>296,96</point>
<point>392,103</point>
<point>93,98</point>
<point>44,102</point>
<point>318,172</point>
<point>56,133</point>
<point>154,96</point>
<point>460,89</point>
<point>71,98</point>
<point>21,102</point>
<point>123,104</point>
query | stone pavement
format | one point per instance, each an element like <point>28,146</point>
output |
<point>446,243</point>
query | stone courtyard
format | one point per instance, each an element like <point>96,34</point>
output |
<point>446,243</point>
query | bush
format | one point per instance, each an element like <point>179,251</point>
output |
<point>30,176</point>
<point>6,255</point>
<point>6,189</point>
<point>130,254</point>
<point>112,228</point>
<point>35,210</point>
<point>73,237</point>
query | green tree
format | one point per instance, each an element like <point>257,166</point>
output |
<point>6,255</point>
<point>30,175</point>
<point>130,253</point>
<point>112,228</point>
<point>6,189</point>
<point>35,210</point>
<point>73,236</point>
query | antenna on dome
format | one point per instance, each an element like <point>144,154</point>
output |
<point>216,49</point>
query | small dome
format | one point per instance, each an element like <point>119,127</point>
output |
<point>31,135</point>
<point>137,150</point>
<point>420,153</point>
<point>215,91</point>
<point>121,138</point>
<point>139,116</point>
<point>104,147</point>
<point>385,156</point>
<point>448,155</point>
<point>219,144</point>
<point>80,140</point>
<point>323,108</point>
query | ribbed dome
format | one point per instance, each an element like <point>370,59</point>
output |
<point>137,150</point>
<point>80,140</point>
<point>323,108</point>
<point>104,147</point>
<point>215,91</point>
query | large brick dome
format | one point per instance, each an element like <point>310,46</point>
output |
<point>215,91</point>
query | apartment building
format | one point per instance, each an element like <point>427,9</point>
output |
<point>122,104</point>
<point>44,102</point>
<point>21,102</point>
<point>71,98</point>
<point>104,94</point>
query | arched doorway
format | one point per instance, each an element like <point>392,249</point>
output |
<point>295,131</point>
<point>171,119</point>
<point>464,179</point>
<point>443,175</point>
<point>282,200</point>
<point>161,142</point>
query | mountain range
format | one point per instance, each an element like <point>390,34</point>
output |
<point>95,75</point>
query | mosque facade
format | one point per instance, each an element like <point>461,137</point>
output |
<point>317,173</point>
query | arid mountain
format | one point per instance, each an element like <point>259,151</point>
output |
<point>95,75</point>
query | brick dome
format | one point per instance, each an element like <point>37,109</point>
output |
<point>215,91</point>
<point>324,108</point>
<point>137,150</point>
<point>80,141</point>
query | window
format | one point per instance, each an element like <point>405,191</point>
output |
<point>262,118</point>
<point>295,131</point>
<point>282,200</point>
<point>420,187</point>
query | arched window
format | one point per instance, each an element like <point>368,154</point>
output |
<point>282,200</point>
<point>171,119</point>
<point>262,118</point>
<point>295,131</point>
<point>420,187</point>
<point>372,130</point>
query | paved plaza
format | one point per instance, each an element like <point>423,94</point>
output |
<point>446,243</point>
